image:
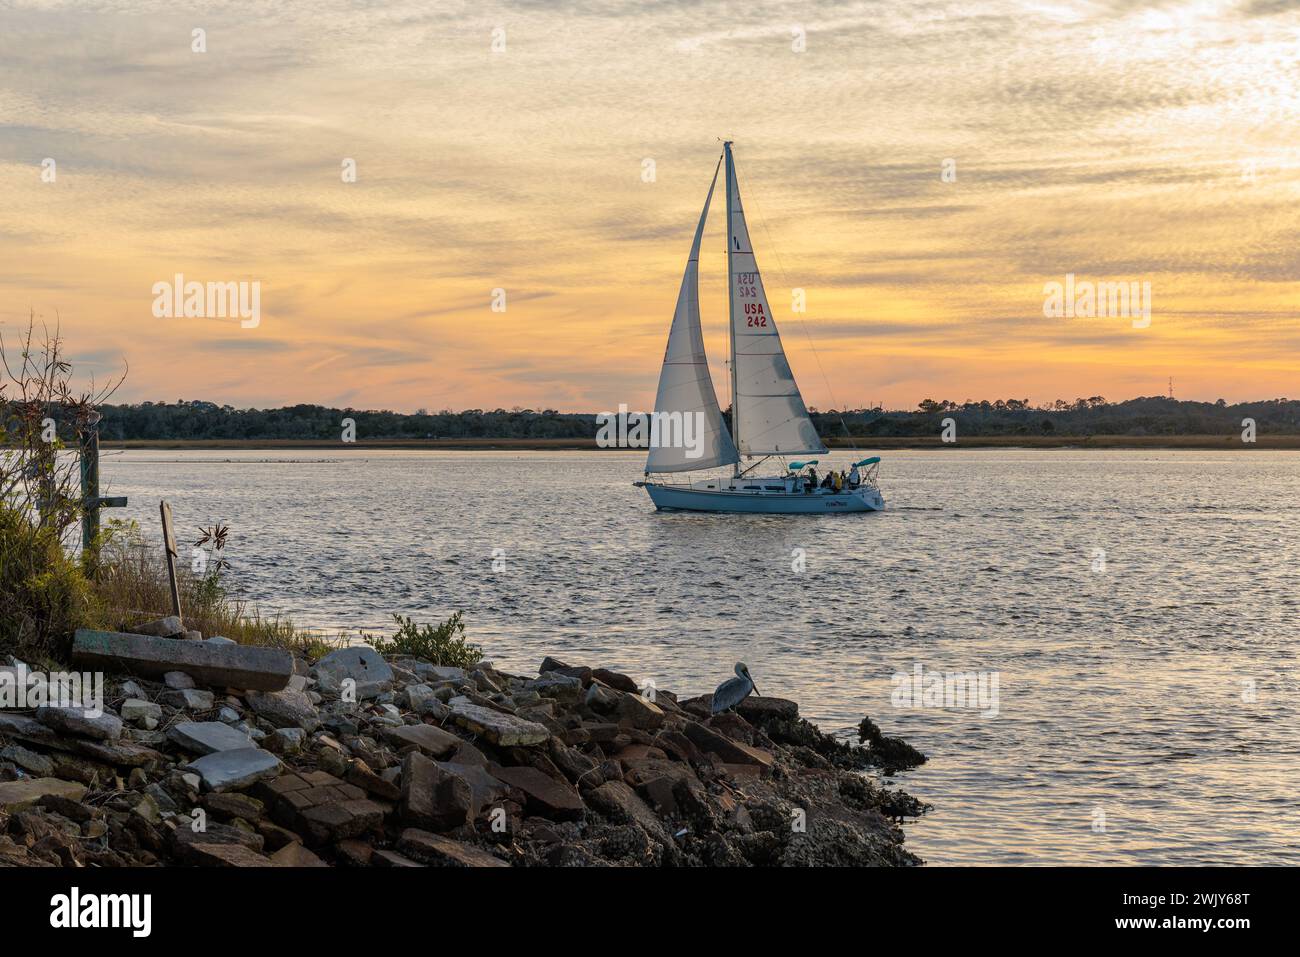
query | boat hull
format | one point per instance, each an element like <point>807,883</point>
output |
<point>685,498</point>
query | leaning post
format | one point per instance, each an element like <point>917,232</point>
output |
<point>169,546</point>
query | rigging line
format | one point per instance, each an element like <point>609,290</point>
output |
<point>804,325</point>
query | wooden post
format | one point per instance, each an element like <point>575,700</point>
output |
<point>89,489</point>
<point>91,502</point>
<point>169,545</point>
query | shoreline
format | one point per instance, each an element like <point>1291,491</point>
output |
<point>360,759</point>
<point>1150,443</point>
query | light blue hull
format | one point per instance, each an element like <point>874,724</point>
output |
<point>816,503</point>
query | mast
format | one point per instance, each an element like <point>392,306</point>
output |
<point>731,309</point>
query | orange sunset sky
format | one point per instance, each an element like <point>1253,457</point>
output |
<point>1123,140</point>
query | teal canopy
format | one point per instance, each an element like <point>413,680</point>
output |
<point>796,466</point>
<point>871,461</point>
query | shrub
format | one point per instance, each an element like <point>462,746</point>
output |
<point>443,644</point>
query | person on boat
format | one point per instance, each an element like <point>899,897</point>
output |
<point>839,481</point>
<point>828,482</point>
<point>811,482</point>
<point>855,479</point>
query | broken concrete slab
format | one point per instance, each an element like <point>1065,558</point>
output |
<point>501,729</point>
<point>218,665</point>
<point>208,737</point>
<point>235,770</point>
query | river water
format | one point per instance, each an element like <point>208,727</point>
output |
<point>1130,617</point>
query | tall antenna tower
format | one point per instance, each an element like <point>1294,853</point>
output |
<point>1171,387</point>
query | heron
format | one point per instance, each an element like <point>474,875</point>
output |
<point>734,690</point>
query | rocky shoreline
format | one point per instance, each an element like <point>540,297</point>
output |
<point>360,760</point>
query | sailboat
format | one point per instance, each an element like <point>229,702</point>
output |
<point>768,418</point>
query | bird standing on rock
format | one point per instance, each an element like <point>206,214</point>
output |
<point>734,690</point>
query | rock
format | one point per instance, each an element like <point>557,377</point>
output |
<point>438,672</point>
<point>729,751</point>
<point>226,855</point>
<point>545,795</point>
<point>207,737</point>
<point>285,740</point>
<point>442,851</point>
<point>178,680</point>
<point>638,712</point>
<point>622,805</point>
<point>433,797</point>
<point>210,663</point>
<point>138,711</point>
<point>189,699</point>
<point>221,640</point>
<point>618,682</point>
<point>504,730</point>
<point>483,787</point>
<point>386,858</point>
<point>558,686</point>
<point>147,809</point>
<point>17,795</point>
<point>354,853</point>
<point>601,698</point>
<point>235,770</point>
<point>757,710</point>
<point>183,836</point>
<point>104,726</point>
<point>168,627</point>
<point>420,698</point>
<point>359,774</point>
<point>431,740</point>
<point>285,709</point>
<point>29,761</point>
<point>295,855</point>
<point>234,804</point>
<point>362,665</point>
<point>193,634</point>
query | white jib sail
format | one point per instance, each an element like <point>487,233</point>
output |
<point>769,417</point>
<point>688,427</point>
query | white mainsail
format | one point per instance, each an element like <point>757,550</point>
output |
<point>768,414</point>
<point>685,386</point>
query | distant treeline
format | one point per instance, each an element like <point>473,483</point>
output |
<point>1155,415</point>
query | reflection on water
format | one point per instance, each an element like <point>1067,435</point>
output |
<point>1138,608</point>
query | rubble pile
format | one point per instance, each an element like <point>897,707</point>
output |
<point>207,753</point>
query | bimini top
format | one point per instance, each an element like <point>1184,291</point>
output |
<point>796,466</point>
<point>871,461</point>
